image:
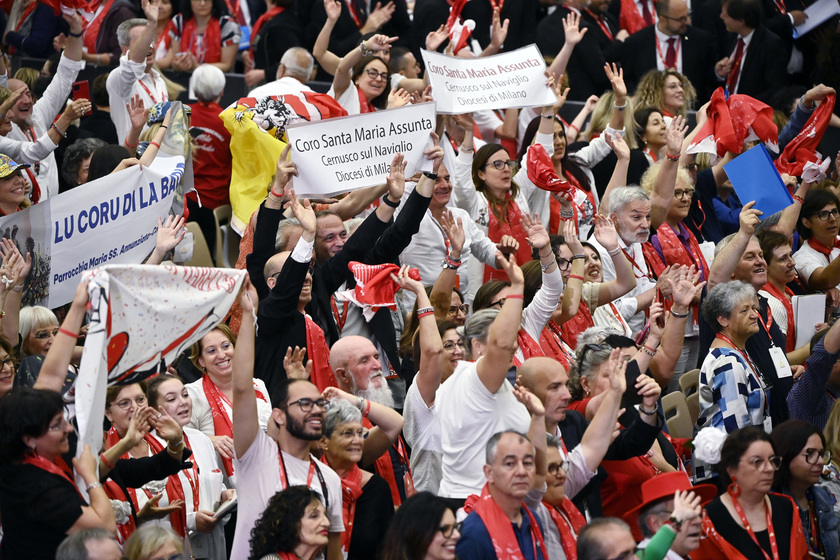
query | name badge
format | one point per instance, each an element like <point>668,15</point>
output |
<point>780,362</point>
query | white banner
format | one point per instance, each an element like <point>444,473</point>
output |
<point>112,220</point>
<point>141,318</point>
<point>503,81</point>
<point>346,153</point>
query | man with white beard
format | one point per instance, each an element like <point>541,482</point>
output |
<point>355,363</point>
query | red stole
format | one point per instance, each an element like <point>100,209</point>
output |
<point>569,522</point>
<point>785,299</point>
<point>58,468</point>
<point>351,489</point>
<point>365,106</point>
<point>115,492</point>
<point>500,528</point>
<point>276,10</point>
<point>551,342</point>
<point>384,467</point>
<point>512,226</point>
<point>92,29</point>
<point>175,489</point>
<point>211,42</point>
<point>318,351</point>
<point>528,346</point>
<point>222,425</point>
<point>822,249</point>
<point>577,324</point>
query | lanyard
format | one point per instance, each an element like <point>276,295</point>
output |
<point>632,260</point>
<point>152,97</point>
<point>773,546</point>
<point>768,324</point>
<point>756,372</point>
<point>676,52</point>
<point>604,27</point>
<point>313,469</point>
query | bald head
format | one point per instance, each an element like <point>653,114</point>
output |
<point>548,380</point>
<point>345,348</point>
<point>273,266</point>
<point>355,363</point>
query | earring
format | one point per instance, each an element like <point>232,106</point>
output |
<point>734,490</point>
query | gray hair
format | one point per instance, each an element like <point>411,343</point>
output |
<point>722,300</point>
<point>207,82</point>
<point>340,412</point>
<point>123,31</point>
<point>769,222</point>
<point>478,328</point>
<point>590,353</point>
<point>74,546</point>
<point>76,152</point>
<point>656,510</point>
<point>725,241</point>
<point>553,441</point>
<point>33,318</point>
<point>282,238</point>
<point>298,63</point>
<point>590,543</point>
<point>622,196</point>
<point>493,444</point>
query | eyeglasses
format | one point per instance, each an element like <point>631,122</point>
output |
<point>824,215</point>
<point>125,403</point>
<point>679,193</point>
<point>447,530</point>
<point>449,345</point>
<point>464,308</point>
<point>683,19</point>
<point>7,361</point>
<point>814,455</point>
<point>500,303</point>
<point>306,404</point>
<point>45,334</point>
<point>373,74</point>
<point>563,264</point>
<point>350,434</point>
<point>554,468</point>
<point>500,164</point>
<point>758,463</point>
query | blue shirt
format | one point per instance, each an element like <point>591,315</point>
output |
<point>475,543</point>
<point>809,399</point>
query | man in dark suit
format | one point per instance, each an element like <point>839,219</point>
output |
<point>757,63</point>
<point>671,43</point>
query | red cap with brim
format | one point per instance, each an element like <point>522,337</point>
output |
<point>664,486</point>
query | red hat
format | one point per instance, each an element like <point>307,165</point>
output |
<point>664,486</point>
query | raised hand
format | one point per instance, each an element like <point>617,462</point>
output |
<point>649,390</point>
<point>248,299</point>
<point>396,177</point>
<point>166,426</point>
<point>436,38</point>
<point>571,238</point>
<point>285,170</point>
<point>514,273</point>
<point>293,363</point>
<point>380,15</point>
<point>169,234</point>
<point>303,211</point>
<point>136,111</point>
<point>508,245</point>
<point>657,325</point>
<point>616,78</point>
<point>405,282</point>
<point>398,98</point>
<point>435,153</point>
<point>675,134</point>
<point>617,365</point>
<point>686,506</point>
<point>454,228</point>
<point>605,233</point>
<point>152,10</point>
<point>333,9</point>
<point>15,267</point>
<point>379,43</point>
<point>530,400</point>
<point>499,30</point>
<point>589,104</point>
<point>749,218</point>
<point>571,26</point>
<point>618,146</point>
<point>537,235</point>
<point>151,510</point>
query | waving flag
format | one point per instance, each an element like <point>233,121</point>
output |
<point>802,149</point>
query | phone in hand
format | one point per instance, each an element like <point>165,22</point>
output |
<point>81,90</point>
<point>660,321</point>
<point>631,394</point>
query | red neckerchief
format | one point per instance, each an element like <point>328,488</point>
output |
<point>529,347</point>
<point>115,492</point>
<point>786,301</point>
<point>630,18</point>
<point>59,467</point>
<point>365,106</point>
<point>822,249</point>
<point>222,423</point>
<point>619,318</point>
<point>276,10</point>
<point>211,42</point>
<point>569,522</point>
<point>662,58</point>
<point>599,19</point>
<point>551,342</point>
<point>577,324</point>
<point>650,153</point>
<point>774,547</point>
<point>384,467</point>
<point>512,226</point>
<point>500,528</point>
<point>675,252</point>
<point>91,30</point>
<point>175,488</point>
<point>351,489</point>
<point>318,351</point>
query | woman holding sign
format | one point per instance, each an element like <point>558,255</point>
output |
<point>361,79</point>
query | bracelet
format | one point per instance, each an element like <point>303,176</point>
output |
<point>620,107</point>
<point>515,296</point>
<point>364,50</point>
<point>545,267</point>
<point>424,314</point>
<point>105,461</point>
<point>675,158</point>
<point>567,214</point>
<point>576,257</point>
<point>425,310</point>
<point>675,524</point>
<point>164,126</point>
<point>647,412</point>
<point>573,127</point>
<point>155,144</point>
<point>93,485</point>
<point>798,199</point>
<point>547,116</point>
<point>389,203</point>
<point>615,251</point>
<point>79,34</point>
<point>130,146</point>
<point>449,265</point>
<point>17,289</point>
<point>449,262</point>
<point>680,315</point>
<point>68,333</point>
<point>177,448</point>
<point>467,150</point>
<point>64,134</point>
<point>649,351</point>
<point>367,408</point>
<point>575,277</point>
<point>430,175</point>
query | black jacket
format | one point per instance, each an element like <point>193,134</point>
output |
<point>764,66</point>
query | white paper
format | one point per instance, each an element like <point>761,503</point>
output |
<point>818,12</point>
<point>807,311</point>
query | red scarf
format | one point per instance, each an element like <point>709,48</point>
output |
<point>276,10</point>
<point>384,467</point>
<point>675,253</point>
<point>629,17</point>
<point>500,527</point>
<point>528,346</point>
<point>222,424</point>
<point>318,351</point>
<point>551,342</point>
<point>365,106</point>
<point>801,149</point>
<point>785,299</point>
<point>175,488</point>
<point>351,489</point>
<point>569,522</point>
<point>92,29</point>
<point>211,42</point>
<point>822,249</point>
<point>511,226</point>
<point>58,468</point>
<point>577,324</point>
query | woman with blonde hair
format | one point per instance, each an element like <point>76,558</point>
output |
<point>669,91</point>
<point>153,542</point>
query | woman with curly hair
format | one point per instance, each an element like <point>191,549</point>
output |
<point>293,526</point>
<point>669,91</point>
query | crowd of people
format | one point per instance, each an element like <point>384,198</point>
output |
<point>551,283</point>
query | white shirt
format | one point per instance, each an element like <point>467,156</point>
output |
<point>124,83</point>
<point>627,304</point>
<point>469,414</point>
<point>663,46</point>
<point>259,480</point>
<point>808,260</point>
<point>284,86</point>
<point>422,433</point>
<point>349,99</point>
<point>44,112</point>
<point>538,312</point>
